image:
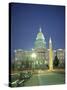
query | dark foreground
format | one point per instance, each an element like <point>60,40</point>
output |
<point>46,79</point>
<point>40,78</point>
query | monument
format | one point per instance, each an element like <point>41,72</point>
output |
<point>50,55</point>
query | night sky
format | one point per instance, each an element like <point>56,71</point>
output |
<point>26,19</point>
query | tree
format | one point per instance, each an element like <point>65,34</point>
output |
<point>56,61</point>
<point>27,63</point>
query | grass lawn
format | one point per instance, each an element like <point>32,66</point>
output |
<point>51,78</point>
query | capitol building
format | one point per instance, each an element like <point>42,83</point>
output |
<point>39,56</point>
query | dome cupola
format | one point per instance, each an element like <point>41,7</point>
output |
<point>40,40</point>
<point>40,35</point>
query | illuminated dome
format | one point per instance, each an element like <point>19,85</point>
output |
<point>40,35</point>
<point>40,40</point>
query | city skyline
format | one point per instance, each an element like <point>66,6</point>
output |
<point>26,19</point>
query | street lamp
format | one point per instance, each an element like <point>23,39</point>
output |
<point>33,55</point>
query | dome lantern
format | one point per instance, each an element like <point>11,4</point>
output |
<point>40,35</point>
<point>40,40</point>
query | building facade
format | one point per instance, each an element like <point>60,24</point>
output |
<point>38,57</point>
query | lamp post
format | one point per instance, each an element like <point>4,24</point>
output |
<point>33,55</point>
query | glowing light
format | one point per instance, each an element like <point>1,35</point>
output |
<point>32,49</point>
<point>50,56</point>
<point>33,55</point>
<point>15,51</point>
<point>40,29</point>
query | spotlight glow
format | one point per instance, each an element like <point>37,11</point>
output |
<point>33,55</point>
